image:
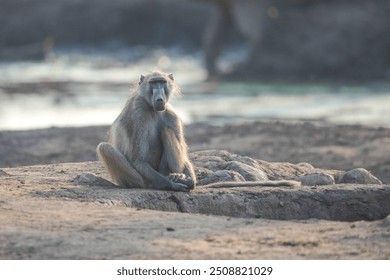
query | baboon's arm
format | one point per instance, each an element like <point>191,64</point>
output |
<point>174,151</point>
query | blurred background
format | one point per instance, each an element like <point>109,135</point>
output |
<point>73,62</point>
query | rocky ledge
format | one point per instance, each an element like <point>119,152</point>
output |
<point>324,194</point>
<point>72,211</point>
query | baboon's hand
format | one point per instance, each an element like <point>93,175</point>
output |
<point>177,177</point>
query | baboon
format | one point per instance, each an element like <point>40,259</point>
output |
<point>147,148</point>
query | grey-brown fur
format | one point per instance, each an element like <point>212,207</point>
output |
<point>147,148</point>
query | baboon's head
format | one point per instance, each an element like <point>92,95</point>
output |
<point>156,88</point>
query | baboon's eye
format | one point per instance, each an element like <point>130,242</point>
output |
<point>153,82</point>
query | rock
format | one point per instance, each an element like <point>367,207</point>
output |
<point>335,202</point>
<point>218,165</point>
<point>386,222</point>
<point>216,159</point>
<point>90,179</point>
<point>358,176</point>
<point>249,173</point>
<point>345,202</point>
<point>316,179</point>
<point>222,176</point>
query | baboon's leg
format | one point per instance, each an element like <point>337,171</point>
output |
<point>120,169</point>
<point>189,171</point>
<point>173,156</point>
<point>152,178</point>
<point>182,177</point>
<point>174,161</point>
<point>163,167</point>
<point>156,180</point>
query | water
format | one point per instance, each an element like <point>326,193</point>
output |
<point>83,87</point>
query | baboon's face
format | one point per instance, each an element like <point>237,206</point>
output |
<point>157,90</point>
<point>159,93</point>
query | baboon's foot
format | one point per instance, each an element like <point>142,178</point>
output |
<point>180,187</point>
<point>181,179</point>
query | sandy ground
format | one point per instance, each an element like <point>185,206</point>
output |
<point>35,226</point>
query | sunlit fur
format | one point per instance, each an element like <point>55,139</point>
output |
<point>147,148</point>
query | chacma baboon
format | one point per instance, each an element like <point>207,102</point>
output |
<point>147,148</point>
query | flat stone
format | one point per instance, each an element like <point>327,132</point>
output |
<point>317,179</point>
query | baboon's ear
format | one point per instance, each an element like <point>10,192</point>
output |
<point>171,77</point>
<point>141,79</point>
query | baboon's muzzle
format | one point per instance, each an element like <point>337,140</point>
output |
<point>159,105</point>
<point>159,99</point>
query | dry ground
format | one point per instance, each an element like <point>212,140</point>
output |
<point>39,226</point>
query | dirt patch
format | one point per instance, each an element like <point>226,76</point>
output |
<point>44,215</point>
